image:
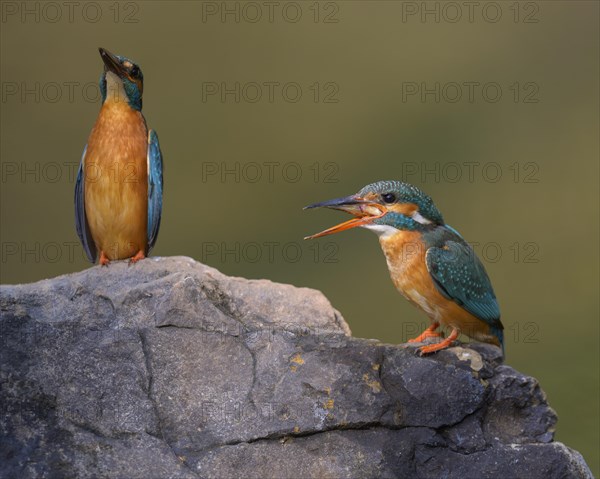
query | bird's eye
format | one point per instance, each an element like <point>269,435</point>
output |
<point>388,197</point>
<point>135,71</point>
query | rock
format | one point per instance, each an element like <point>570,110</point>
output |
<point>169,369</point>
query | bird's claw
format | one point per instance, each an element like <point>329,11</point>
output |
<point>424,351</point>
<point>104,261</point>
<point>435,347</point>
<point>425,335</point>
<point>138,256</point>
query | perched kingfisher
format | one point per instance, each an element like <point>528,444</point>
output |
<point>118,193</point>
<point>429,262</point>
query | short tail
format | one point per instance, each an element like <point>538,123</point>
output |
<point>498,333</point>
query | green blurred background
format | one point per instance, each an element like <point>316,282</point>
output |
<point>361,68</point>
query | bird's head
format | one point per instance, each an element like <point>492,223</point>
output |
<point>121,80</point>
<point>385,207</point>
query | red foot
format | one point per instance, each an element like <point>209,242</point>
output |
<point>430,332</point>
<point>138,256</point>
<point>432,348</point>
<point>104,261</point>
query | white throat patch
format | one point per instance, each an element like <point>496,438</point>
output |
<point>115,91</point>
<point>383,231</point>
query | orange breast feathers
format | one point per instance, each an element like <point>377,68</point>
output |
<point>116,181</point>
<point>405,255</point>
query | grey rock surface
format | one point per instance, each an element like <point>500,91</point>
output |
<point>170,369</point>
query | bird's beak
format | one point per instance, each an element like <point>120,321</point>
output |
<point>112,63</point>
<point>365,212</point>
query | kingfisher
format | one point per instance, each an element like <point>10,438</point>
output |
<point>119,187</point>
<point>430,263</point>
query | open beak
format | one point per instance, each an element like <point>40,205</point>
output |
<point>112,63</point>
<point>364,212</point>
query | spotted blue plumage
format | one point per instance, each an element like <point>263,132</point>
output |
<point>81,224</point>
<point>459,276</point>
<point>155,188</point>
<point>392,208</point>
<point>455,269</point>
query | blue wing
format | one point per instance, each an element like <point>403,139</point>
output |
<point>459,276</point>
<point>81,224</point>
<point>155,188</point>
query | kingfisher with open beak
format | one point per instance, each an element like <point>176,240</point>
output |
<point>118,193</point>
<point>429,262</point>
